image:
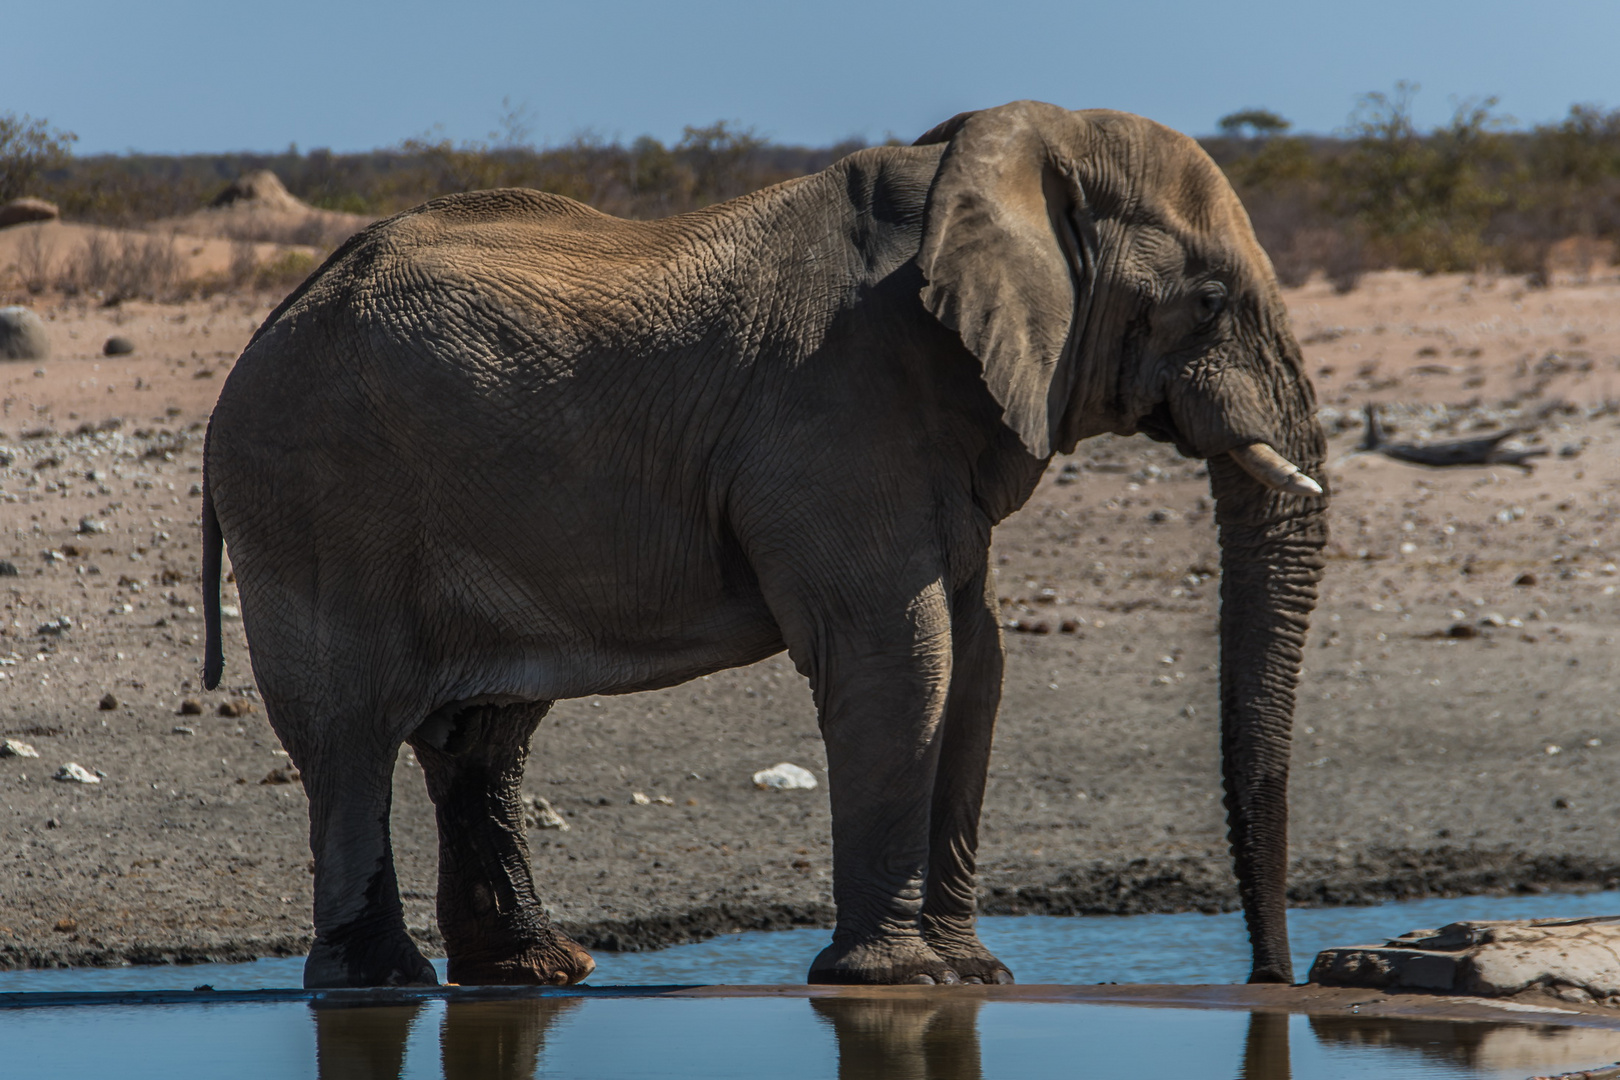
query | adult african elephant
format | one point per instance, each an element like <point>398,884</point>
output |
<point>503,449</point>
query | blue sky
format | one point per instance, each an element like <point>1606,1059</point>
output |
<point>187,76</point>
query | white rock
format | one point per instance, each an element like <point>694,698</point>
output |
<point>13,748</point>
<point>230,611</point>
<point>640,798</point>
<point>1576,959</point>
<point>785,777</point>
<point>540,814</point>
<point>76,773</point>
<point>90,525</point>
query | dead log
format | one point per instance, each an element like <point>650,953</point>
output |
<point>1484,450</point>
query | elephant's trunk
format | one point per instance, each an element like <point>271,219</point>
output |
<point>1271,559</point>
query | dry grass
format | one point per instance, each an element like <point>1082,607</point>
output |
<point>127,268</point>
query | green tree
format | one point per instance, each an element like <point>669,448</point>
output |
<point>1426,200</point>
<point>1256,123</point>
<point>29,147</point>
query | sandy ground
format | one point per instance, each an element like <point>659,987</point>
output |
<point>1427,759</point>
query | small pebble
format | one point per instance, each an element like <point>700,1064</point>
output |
<point>235,707</point>
<point>13,748</point>
<point>785,777</point>
<point>107,703</point>
<point>66,926</point>
<point>118,345</point>
<point>191,707</point>
<point>540,814</point>
<point>90,526</point>
<point>75,773</point>
<point>181,729</point>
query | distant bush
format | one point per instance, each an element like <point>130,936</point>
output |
<point>29,147</point>
<point>1471,194</point>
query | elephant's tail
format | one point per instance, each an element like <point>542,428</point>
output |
<point>213,544</point>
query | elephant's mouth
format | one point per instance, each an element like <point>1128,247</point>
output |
<point>1160,426</point>
<point>1258,459</point>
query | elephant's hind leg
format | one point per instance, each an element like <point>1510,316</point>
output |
<point>950,908</point>
<point>495,931</point>
<point>360,937</point>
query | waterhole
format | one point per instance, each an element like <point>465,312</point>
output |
<point>940,1034</point>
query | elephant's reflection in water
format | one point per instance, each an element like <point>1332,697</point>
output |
<point>482,1040</point>
<point>904,1038</point>
<point>1265,1048</point>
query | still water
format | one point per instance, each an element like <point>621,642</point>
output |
<point>629,1038</point>
<point>1187,948</point>
<point>931,1037</point>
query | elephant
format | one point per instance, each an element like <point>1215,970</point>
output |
<point>502,449</point>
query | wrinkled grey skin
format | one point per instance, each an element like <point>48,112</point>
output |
<point>503,449</point>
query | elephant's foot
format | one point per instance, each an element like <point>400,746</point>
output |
<point>882,961</point>
<point>387,959</point>
<point>555,961</point>
<point>961,948</point>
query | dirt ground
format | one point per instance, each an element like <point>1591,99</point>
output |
<point>1457,729</point>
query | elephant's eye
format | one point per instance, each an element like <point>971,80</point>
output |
<point>1211,302</point>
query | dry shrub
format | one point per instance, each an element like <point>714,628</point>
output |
<point>127,268</point>
<point>285,272</point>
<point>323,232</point>
<point>34,261</point>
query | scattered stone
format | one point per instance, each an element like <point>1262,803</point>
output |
<point>284,775</point>
<point>118,345</point>
<point>107,703</point>
<point>13,748</point>
<point>55,627</point>
<point>22,211</point>
<point>1069,626</point>
<point>540,814</point>
<point>181,729</point>
<point>66,926</point>
<point>1576,960</point>
<point>91,527</point>
<point>22,335</point>
<point>235,707</point>
<point>8,568</point>
<point>229,611</point>
<point>53,823</point>
<point>191,707</point>
<point>639,798</point>
<point>1525,579</point>
<point>1030,626</point>
<point>75,773</point>
<point>785,777</point>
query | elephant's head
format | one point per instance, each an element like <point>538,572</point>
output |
<point>1104,274</point>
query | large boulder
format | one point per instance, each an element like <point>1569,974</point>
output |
<point>1575,959</point>
<point>22,335</point>
<point>26,209</point>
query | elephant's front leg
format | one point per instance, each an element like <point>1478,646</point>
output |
<point>881,703</point>
<point>950,908</point>
<point>495,931</point>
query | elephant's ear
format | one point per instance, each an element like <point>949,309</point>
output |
<point>1007,258</point>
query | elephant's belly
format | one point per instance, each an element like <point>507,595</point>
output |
<point>604,659</point>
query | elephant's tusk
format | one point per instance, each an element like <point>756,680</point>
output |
<point>1273,470</point>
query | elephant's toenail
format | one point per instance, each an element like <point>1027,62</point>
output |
<point>950,978</point>
<point>1004,977</point>
<point>922,980</point>
<point>973,980</point>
